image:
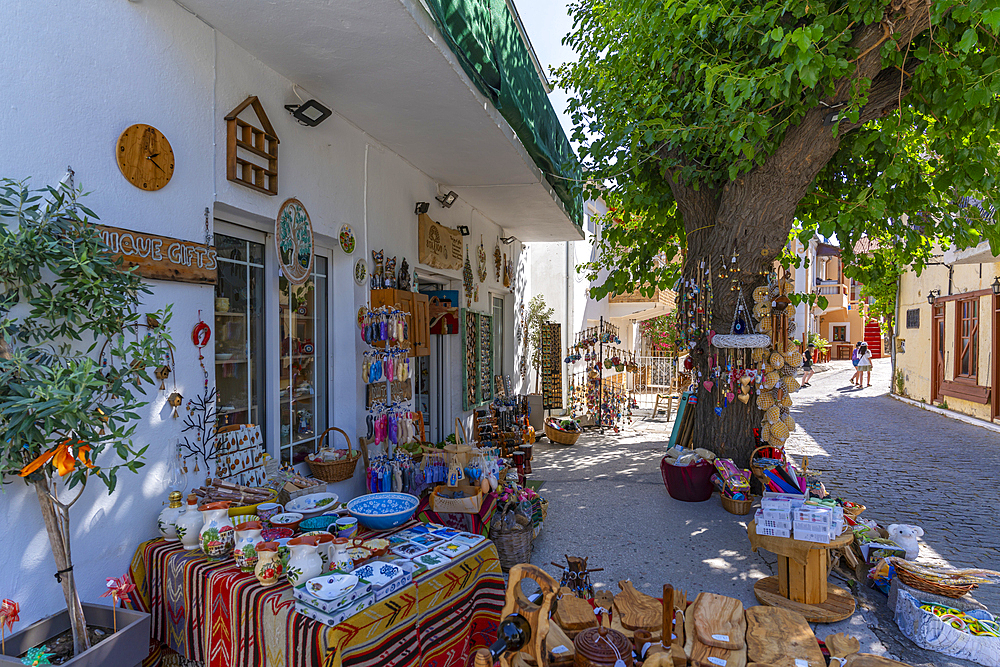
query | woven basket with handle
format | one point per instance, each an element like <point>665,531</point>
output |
<point>513,546</point>
<point>335,471</point>
<point>561,437</point>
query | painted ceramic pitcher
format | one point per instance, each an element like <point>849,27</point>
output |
<point>217,533</point>
<point>268,570</point>
<point>167,521</point>
<point>189,524</point>
<point>304,563</point>
<point>339,558</point>
<point>247,537</point>
<point>323,548</point>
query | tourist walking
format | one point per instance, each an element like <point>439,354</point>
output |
<point>807,365</point>
<point>864,365</point>
<point>856,378</point>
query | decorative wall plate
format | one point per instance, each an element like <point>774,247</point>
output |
<point>293,239</point>
<point>347,240</point>
<point>360,271</point>
<point>362,311</point>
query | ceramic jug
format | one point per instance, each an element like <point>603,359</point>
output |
<point>217,533</point>
<point>339,558</point>
<point>323,549</point>
<point>268,570</point>
<point>247,538</point>
<point>189,524</point>
<point>167,521</point>
<point>304,563</point>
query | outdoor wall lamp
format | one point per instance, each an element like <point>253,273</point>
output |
<point>932,295</point>
<point>448,199</point>
<point>422,207</point>
<point>310,112</point>
<point>996,286</point>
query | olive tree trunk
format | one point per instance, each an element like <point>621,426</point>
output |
<point>56,517</point>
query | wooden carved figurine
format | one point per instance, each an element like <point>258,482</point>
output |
<point>390,273</point>
<point>403,282</point>
<point>378,271</point>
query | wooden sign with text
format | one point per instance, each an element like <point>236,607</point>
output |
<point>161,257</point>
<point>376,393</point>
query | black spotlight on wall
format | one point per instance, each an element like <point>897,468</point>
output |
<point>422,207</point>
<point>448,199</point>
<point>310,112</point>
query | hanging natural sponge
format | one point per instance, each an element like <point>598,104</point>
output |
<point>757,354</point>
<point>786,371</point>
<point>793,358</point>
<point>791,384</point>
<point>786,401</point>
<point>789,423</point>
<point>765,430</point>
<point>779,430</point>
<point>777,359</point>
<point>773,415</point>
<point>765,400</point>
<point>771,380</point>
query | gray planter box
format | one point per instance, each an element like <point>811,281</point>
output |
<point>126,648</point>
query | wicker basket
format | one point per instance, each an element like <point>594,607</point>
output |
<point>737,507</point>
<point>916,581</point>
<point>335,471</point>
<point>468,505</point>
<point>513,546</point>
<point>561,437</point>
<point>854,512</point>
<point>757,471</point>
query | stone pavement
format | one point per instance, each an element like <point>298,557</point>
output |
<point>607,501</point>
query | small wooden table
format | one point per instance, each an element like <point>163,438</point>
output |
<point>801,584</point>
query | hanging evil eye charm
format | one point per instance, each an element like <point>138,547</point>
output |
<point>739,325</point>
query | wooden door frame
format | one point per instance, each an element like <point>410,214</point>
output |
<point>937,382</point>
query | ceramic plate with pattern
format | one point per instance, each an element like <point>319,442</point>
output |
<point>447,532</point>
<point>431,560</point>
<point>360,271</point>
<point>347,240</point>
<point>427,540</point>
<point>379,573</point>
<point>452,549</point>
<point>409,550</point>
<point>468,538</point>
<point>330,586</point>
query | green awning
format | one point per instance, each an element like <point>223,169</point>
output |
<point>485,37</point>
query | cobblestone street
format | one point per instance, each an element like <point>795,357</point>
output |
<point>908,465</point>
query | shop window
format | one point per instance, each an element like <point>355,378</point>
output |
<point>967,339</point>
<point>302,381</point>
<point>239,331</point>
<point>840,334</point>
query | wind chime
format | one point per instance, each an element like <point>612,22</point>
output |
<point>695,309</point>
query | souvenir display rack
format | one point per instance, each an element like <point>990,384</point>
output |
<point>551,345</point>
<point>593,345</point>
<point>502,424</point>
<point>477,357</point>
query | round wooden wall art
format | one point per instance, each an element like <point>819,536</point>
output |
<point>293,239</point>
<point>144,157</point>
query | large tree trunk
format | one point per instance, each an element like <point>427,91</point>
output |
<point>57,526</point>
<point>752,215</point>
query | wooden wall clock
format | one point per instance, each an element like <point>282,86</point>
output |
<point>145,157</point>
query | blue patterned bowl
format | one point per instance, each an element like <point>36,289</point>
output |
<point>317,523</point>
<point>381,511</point>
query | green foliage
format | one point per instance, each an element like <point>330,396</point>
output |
<point>708,90</point>
<point>879,270</point>
<point>900,383</point>
<point>66,306</point>
<point>821,343</point>
<point>535,316</point>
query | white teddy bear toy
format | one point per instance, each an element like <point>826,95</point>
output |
<point>906,537</point>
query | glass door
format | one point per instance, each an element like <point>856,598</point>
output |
<point>302,373</point>
<point>239,331</point>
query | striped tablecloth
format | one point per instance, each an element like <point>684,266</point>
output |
<point>212,613</point>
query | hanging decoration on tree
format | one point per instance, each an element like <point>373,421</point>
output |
<point>468,279</point>
<point>497,261</point>
<point>776,367</point>
<point>118,588</point>
<point>481,260</point>
<point>9,615</point>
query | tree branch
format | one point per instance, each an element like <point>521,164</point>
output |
<point>697,207</point>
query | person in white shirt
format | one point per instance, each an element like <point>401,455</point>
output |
<point>864,365</point>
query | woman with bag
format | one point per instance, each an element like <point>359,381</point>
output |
<point>856,378</point>
<point>864,364</point>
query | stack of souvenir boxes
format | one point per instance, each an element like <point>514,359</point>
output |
<point>774,517</point>
<point>813,523</point>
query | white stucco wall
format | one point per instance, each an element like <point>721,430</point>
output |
<point>78,73</point>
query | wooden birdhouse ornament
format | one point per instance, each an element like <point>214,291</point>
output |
<point>252,152</point>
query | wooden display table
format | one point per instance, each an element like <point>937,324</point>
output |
<point>801,584</point>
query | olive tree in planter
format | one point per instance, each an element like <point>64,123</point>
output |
<point>74,361</point>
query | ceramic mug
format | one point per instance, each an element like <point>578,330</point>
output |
<point>266,510</point>
<point>347,527</point>
<point>221,305</point>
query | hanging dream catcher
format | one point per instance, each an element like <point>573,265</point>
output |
<point>481,261</point>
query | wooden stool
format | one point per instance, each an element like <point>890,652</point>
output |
<point>670,404</point>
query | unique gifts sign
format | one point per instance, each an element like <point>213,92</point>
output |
<point>161,257</point>
<point>440,246</point>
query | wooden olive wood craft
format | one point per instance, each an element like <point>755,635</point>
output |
<point>781,638</point>
<point>537,615</point>
<point>638,611</point>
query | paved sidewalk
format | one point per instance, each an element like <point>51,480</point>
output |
<point>607,501</point>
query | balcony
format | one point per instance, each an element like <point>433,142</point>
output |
<point>836,295</point>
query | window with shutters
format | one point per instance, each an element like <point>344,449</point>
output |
<point>967,339</point>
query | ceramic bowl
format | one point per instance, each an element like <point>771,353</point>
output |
<point>382,511</point>
<point>378,546</point>
<point>329,586</point>
<point>359,555</point>
<point>317,523</point>
<point>266,510</point>
<point>287,520</point>
<point>312,504</point>
<point>271,534</point>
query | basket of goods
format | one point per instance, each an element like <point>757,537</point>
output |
<point>243,499</point>
<point>687,474</point>
<point>512,531</point>
<point>563,432</point>
<point>333,465</point>
<point>853,510</point>
<point>939,580</point>
<point>460,499</point>
<point>734,487</point>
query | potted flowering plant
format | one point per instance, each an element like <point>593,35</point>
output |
<point>74,369</point>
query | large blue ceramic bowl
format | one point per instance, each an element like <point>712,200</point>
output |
<point>382,511</point>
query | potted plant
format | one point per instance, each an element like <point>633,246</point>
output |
<point>74,370</point>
